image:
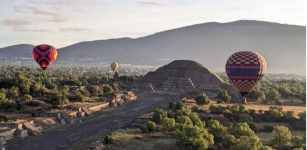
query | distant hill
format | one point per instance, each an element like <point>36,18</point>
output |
<point>283,46</point>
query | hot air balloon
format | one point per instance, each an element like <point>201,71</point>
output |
<point>114,66</point>
<point>44,55</point>
<point>245,69</point>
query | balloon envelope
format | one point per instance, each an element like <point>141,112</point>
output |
<point>114,66</point>
<point>44,55</point>
<point>245,69</point>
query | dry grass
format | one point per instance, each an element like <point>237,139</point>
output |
<point>134,139</point>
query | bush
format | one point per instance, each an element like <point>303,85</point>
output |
<point>241,129</point>
<point>108,140</point>
<point>276,112</point>
<point>202,99</point>
<point>265,148</point>
<point>193,138</point>
<point>217,129</point>
<point>196,120</point>
<point>151,126</point>
<point>107,89</point>
<point>281,137</point>
<point>27,97</point>
<point>184,120</point>
<point>94,90</point>
<point>247,143</point>
<point>297,141</point>
<point>245,118</point>
<point>273,94</point>
<point>59,100</point>
<point>2,96</point>
<point>168,124</point>
<point>80,97</point>
<point>224,96</point>
<point>7,104</point>
<point>159,115</point>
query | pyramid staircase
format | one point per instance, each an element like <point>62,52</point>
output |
<point>178,84</point>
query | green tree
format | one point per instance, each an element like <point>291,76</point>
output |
<point>218,130</point>
<point>224,96</point>
<point>241,129</point>
<point>280,137</point>
<point>273,94</point>
<point>247,143</point>
<point>151,126</point>
<point>193,138</point>
<point>159,115</point>
<point>202,99</point>
<point>168,124</point>
<point>94,90</point>
<point>297,141</point>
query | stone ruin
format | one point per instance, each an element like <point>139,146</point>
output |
<point>185,77</point>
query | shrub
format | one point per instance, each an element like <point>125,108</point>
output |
<point>280,137</point>
<point>94,90</point>
<point>7,104</point>
<point>168,124</point>
<point>27,97</point>
<point>59,100</point>
<point>202,99</point>
<point>297,141</point>
<point>276,112</point>
<point>196,120</point>
<point>245,118</point>
<point>159,115</point>
<point>227,113</point>
<point>80,97</point>
<point>265,148</point>
<point>193,138</point>
<point>107,89</point>
<point>247,143</point>
<point>273,94</point>
<point>184,120</point>
<point>224,96</point>
<point>151,126</point>
<point>217,129</point>
<point>2,96</point>
<point>241,129</point>
<point>108,139</point>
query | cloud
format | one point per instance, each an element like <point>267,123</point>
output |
<point>15,22</point>
<point>43,11</point>
<point>73,29</point>
<point>58,19</point>
<point>25,29</point>
<point>151,2</point>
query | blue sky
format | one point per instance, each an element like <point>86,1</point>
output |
<point>64,22</point>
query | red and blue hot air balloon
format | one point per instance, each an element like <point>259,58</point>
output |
<point>44,55</point>
<point>245,69</point>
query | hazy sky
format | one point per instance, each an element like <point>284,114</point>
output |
<point>64,22</point>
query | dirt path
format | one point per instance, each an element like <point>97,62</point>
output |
<point>64,137</point>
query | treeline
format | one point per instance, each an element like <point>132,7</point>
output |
<point>31,86</point>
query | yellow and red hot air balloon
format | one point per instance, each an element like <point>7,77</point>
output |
<point>244,70</point>
<point>44,55</point>
<point>114,66</point>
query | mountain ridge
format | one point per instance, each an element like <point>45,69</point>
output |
<point>209,43</point>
